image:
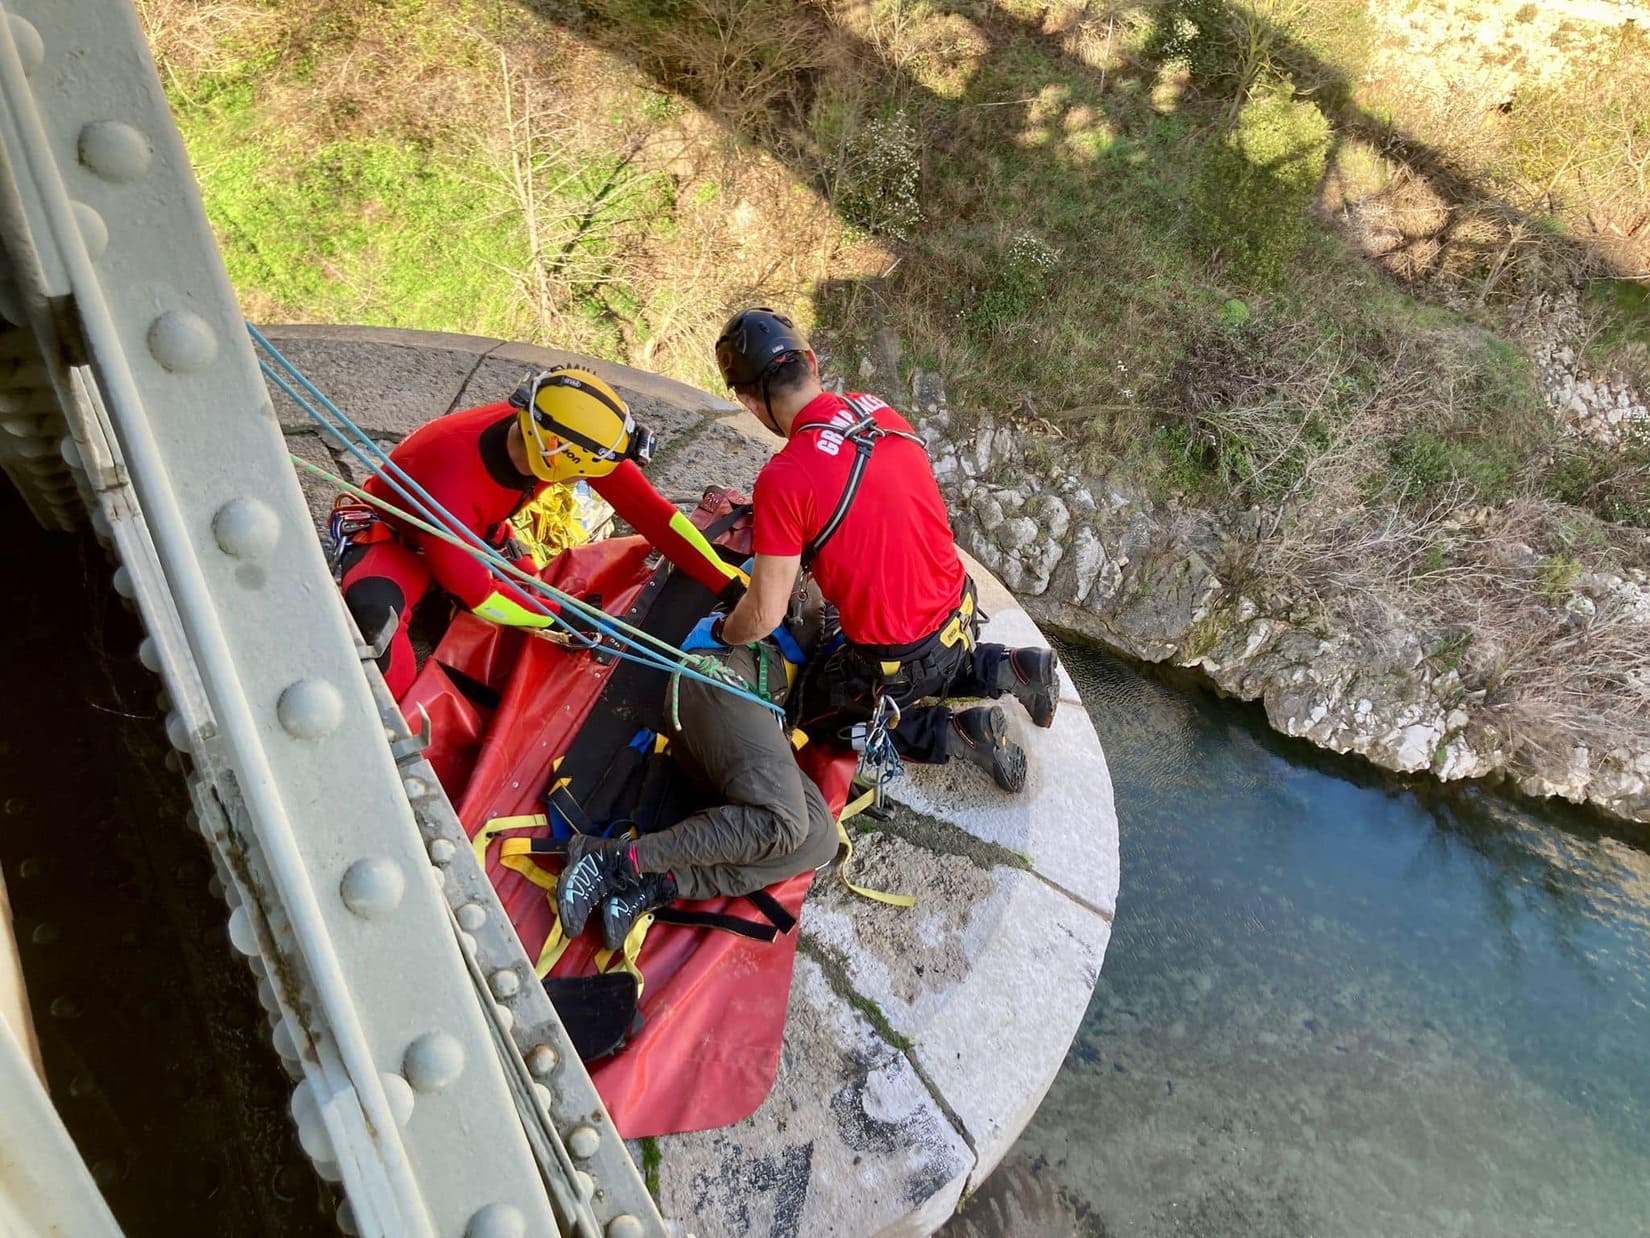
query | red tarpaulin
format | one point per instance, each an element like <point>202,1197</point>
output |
<point>714,1003</point>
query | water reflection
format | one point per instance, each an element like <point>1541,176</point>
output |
<point>1335,1003</point>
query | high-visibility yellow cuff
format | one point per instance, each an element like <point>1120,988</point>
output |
<point>689,532</point>
<point>501,609</point>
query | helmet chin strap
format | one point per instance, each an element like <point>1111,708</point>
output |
<point>771,422</point>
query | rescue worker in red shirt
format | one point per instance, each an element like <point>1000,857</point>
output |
<point>483,465</point>
<point>851,498</point>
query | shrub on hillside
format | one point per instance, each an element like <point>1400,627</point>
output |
<point>1017,285</point>
<point>1252,198</point>
<point>877,188</point>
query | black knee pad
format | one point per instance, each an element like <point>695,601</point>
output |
<point>372,600</point>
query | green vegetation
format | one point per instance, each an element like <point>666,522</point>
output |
<point>1619,311</point>
<point>1258,185</point>
<point>1557,574</point>
<point>652,1159</point>
<point>1109,223</point>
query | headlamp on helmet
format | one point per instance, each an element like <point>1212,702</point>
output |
<point>575,425</point>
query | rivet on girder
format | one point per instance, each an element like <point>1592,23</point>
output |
<point>281,1037</point>
<point>312,1130</point>
<point>472,916</point>
<point>583,1142</point>
<point>400,1095</point>
<point>542,1060</point>
<point>433,1061</point>
<point>497,1221</point>
<point>94,233</point>
<point>416,788</point>
<point>372,888</point>
<point>442,851</point>
<point>70,451</point>
<point>242,935</point>
<point>45,934</point>
<point>467,944</point>
<point>149,654</point>
<point>123,582</point>
<point>177,731</point>
<point>346,1220</point>
<point>31,48</point>
<point>587,1184</point>
<point>310,709</point>
<point>504,983</point>
<point>505,1016</point>
<point>546,1098</point>
<point>115,150</point>
<point>624,1226</point>
<point>439,876</point>
<point>182,341</point>
<point>246,528</point>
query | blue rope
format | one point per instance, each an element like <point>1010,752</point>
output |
<point>497,566</point>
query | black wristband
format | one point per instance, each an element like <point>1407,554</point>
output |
<point>731,593</point>
<point>716,629</point>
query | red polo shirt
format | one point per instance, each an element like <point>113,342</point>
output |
<point>892,568</point>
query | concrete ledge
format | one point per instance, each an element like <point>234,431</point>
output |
<point>850,1141</point>
<point>919,1043</point>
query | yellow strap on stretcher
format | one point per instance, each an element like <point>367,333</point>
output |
<point>516,855</point>
<point>498,825</point>
<point>881,896</point>
<point>624,959</point>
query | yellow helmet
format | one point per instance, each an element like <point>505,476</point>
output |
<point>574,425</point>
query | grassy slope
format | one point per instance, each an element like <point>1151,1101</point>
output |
<point>1045,176</point>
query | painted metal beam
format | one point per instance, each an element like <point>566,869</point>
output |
<point>413,1086</point>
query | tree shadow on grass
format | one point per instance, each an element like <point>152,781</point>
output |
<point>1066,127</point>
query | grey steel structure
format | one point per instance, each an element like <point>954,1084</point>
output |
<point>433,1079</point>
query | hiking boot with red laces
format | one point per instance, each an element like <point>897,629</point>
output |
<point>596,868</point>
<point>1032,676</point>
<point>981,736</point>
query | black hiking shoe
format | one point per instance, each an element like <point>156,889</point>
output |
<point>1030,674</point>
<point>621,911</point>
<point>981,735</point>
<point>596,867</point>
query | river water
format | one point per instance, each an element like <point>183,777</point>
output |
<point>1335,1005</point>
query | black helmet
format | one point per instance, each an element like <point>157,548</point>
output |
<point>753,342</point>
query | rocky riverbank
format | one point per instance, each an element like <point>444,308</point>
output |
<point>1181,585</point>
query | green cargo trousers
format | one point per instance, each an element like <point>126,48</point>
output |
<point>770,823</point>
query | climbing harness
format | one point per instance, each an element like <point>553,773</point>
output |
<point>864,434</point>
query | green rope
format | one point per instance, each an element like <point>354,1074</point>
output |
<point>712,667</point>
